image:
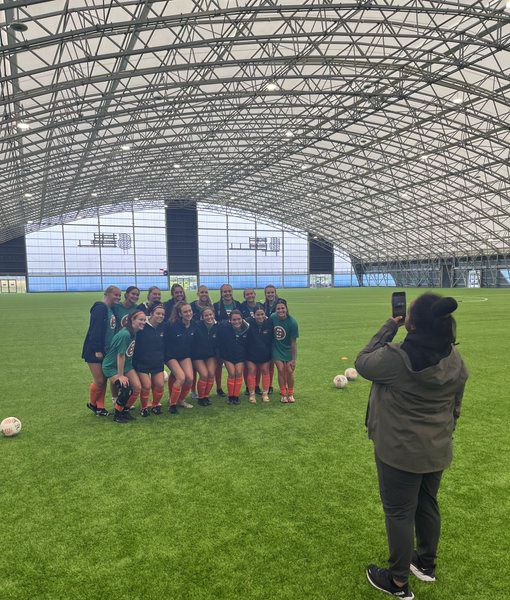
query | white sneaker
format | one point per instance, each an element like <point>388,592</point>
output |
<point>185,404</point>
<point>265,397</point>
<point>290,399</point>
<point>253,399</point>
<point>283,399</point>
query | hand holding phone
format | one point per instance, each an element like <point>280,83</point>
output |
<point>398,304</point>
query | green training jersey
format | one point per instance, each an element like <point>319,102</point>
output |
<point>123,343</point>
<point>285,331</point>
<point>121,313</point>
<point>111,324</point>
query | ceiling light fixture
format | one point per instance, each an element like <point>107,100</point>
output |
<point>305,167</point>
<point>289,134</point>
<point>125,147</point>
<point>177,166</point>
<point>272,86</point>
<point>136,198</point>
<point>23,125</point>
<point>457,99</point>
<point>18,26</point>
<point>207,181</point>
<point>94,195</point>
<point>27,195</point>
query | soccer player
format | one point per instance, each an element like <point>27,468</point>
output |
<point>222,310</point>
<point>271,298</point>
<point>249,305</point>
<point>232,338</point>
<point>149,360</point>
<point>123,309</point>
<point>153,297</point>
<point>100,333</point>
<point>177,294</point>
<point>178,338</point>
<point>118,366</point>
<point>259,351</point>
<point>286,333</point>
<point>203,353</point>
<point>203,301</point>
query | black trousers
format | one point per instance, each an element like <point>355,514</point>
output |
<point>410,507</point>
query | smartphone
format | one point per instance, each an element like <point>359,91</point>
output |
<point>398,304</point>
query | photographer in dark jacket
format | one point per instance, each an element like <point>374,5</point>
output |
<point>413,407</point>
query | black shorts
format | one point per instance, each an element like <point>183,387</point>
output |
<point>148,370</point>
<point>91,358</point>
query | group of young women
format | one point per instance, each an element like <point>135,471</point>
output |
<point>128,344</point>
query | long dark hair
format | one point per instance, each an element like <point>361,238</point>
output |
<point>432,314</point>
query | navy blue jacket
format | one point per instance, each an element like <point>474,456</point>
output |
<point>197,311</point>
<point>247,311</point>
<point>204,343</point>
<point>96,333</point>
<point>150,349</point>
<point>178,340</point>
<point>260,341</point>
<point>232,345</point>
<point>269,308</point>
<point>220,313</point>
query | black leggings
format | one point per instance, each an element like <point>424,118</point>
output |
<point>410,506</point>
<point>124,393</point>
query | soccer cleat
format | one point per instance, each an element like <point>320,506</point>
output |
<point>258,391</point>
<point>156,410</point>
<point>284,399</point>
<point>382,580</point>
<point>193,395</point>
<point>290,399</point>
<point>172,409</point>
<point>265,397</point>
<point>419,571</point>
<point>246,392</point>
<point>102,412</point>
<point>207,402</point>
<point>221,393</point>
<point>144,412</point>
<point>92,407</point>
<point>118,417</point>
<point>236,400</point>
<point>127,414</point>
<point>231,400</point>
<point>201,402</point>
<point>270,390</point>
<point>253,399</point>
<point>185,404</point>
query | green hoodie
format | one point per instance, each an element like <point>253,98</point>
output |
<point>411,414</point>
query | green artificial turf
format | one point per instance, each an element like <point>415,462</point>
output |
<point>266,502</point>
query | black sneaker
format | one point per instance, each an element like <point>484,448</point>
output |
<point>118,417</point>
<point>258,391</point>
<point>207,402</point>
<point>144,412</point>
<point>231,400</point>
<point>92,407</point>
<point>236,400</point>
<point>127,414</point>
<point>156,410</point>
<point>221,393</point>
<point>102,412</point>
<point>172,409</point>
<point>270,390</point>
<point>382,580</point>
<point>201,402</point>
<point>246,392</point>
<point>419,571</point>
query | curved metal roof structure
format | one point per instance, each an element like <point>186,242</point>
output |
<point>379,125</point>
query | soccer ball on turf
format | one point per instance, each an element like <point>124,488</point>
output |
<point>340,381</point>
<point>165,375</point>
<point>10,426</point>
<point>351,374</point>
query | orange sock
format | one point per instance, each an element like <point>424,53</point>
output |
<point>132,400</point>
<point>283,391</point>
<point>251,382</point>
<point>202,387</point>
<point>93,390</point>
<point>101,393</point>
<point>266,382</point>
<point>290,391</point>
<point>156,397</point>
<point>184,392</point>
<point>144,398</point>
<point>210,383</point>
<point>231,382</point>
<point>238,386</point>
<point>175,392</point>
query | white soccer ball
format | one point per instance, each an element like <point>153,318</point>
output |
<point>340,381</point>
<point>165,375</point>
<point>10,426</point>
<point>351,374</point>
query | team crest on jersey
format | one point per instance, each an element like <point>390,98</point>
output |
<point>113,322</point>
<point>280,333</point>
<point>130,349</point>
<point>124,320</point>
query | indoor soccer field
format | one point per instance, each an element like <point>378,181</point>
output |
<point>250,502</point>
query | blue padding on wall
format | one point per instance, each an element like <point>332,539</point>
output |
<point>297,281</point>
<point>119,280</point>
<point>46,284</point>
<point>345,280</point>
<point>214,282</point>
<point>144,282</point>
<point>240,282</point>
<point>84,283</point>
<point>263,280</point>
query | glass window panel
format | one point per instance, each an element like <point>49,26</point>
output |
<point>269,251</point>
<point>82,248</point>
<point>119,255</point>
